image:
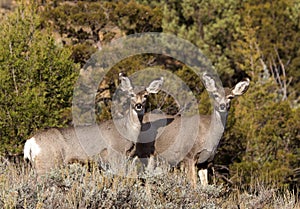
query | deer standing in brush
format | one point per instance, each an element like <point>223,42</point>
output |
<point>50,148</point>
<point>175,136</point>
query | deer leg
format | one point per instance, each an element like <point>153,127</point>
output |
<point>191,171</point>
<point>151,164</point>
<point>203,176</point>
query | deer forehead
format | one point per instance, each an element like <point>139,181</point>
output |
<point>227,91</point>
<point>222,93</point>
<point>222,96</point>
<point>140,97</point>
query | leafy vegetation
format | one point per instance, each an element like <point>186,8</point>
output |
<point>36,76</point>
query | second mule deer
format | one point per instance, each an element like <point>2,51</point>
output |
<point>56,146</point>
<point>211,128</point>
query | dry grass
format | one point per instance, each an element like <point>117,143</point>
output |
<point>77,186</point>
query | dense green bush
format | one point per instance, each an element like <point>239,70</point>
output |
<point>262,139</point>
<point>36,78</point>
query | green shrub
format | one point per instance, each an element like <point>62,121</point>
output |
<point>36,78</point>
<point>261,139</point>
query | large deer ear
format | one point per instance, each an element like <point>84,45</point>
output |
<point>155,85</point>
<point>241,87</point>
<point>209,83</point>
<point>125,83</point>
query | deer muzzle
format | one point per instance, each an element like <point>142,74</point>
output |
<point>139,107</point>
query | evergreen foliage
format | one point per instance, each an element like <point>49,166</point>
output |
<point>82,25</point>
<point>36,79</point>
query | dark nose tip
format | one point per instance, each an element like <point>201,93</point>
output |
<point>222,106</point>
<point>138,107</point>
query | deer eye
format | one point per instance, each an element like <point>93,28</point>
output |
<point>216,96</point>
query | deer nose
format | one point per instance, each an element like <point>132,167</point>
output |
<point>222,106</point>
<point>139,107</point>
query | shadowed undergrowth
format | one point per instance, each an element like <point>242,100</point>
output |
<point>77,186</point>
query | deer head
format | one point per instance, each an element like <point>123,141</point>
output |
<point>138,100</point>
<point>222,97</point>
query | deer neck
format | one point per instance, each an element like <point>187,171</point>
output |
<point>216,130</point>
<point>219,119</point>
<point>134,119</point>
<point>130,125</point>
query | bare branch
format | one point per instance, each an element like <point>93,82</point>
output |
<point>13,71</point>
<point>284,87</point>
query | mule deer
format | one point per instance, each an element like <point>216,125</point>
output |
<point>211,128</point>
<point>56,146</point>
